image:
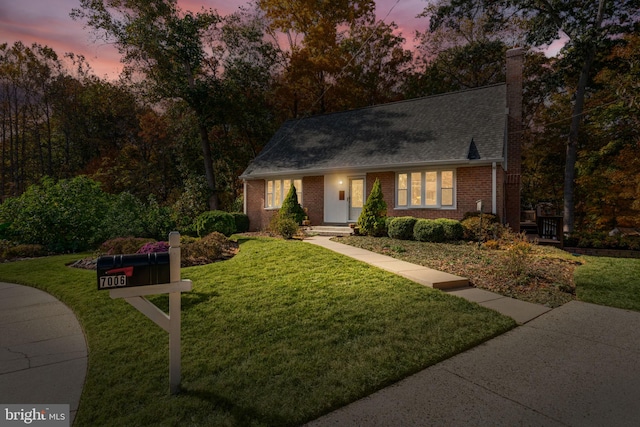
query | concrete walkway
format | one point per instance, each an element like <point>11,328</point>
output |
<point>43,352</point>
<point>577,365</point>
<point>521,311</point>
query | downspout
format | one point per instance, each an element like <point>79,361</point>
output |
<point>244,196</point>
<point>494,190</point>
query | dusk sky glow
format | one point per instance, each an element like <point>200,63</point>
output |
<point>48,23</point>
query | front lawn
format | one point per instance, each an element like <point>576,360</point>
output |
<point>278,335</point>
<point>609,281</point>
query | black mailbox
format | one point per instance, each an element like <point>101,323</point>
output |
<point>120,271</point>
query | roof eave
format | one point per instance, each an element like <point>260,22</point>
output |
<point>370,168</point>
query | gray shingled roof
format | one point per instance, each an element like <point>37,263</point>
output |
<point>431,130</point>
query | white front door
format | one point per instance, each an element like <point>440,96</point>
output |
<point>356,198</point>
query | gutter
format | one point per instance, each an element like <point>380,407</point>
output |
<point>373,168</point>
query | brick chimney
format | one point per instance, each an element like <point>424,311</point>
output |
<point>515,59</point>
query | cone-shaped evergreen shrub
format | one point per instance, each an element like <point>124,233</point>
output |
<point>291,208</point>
<point>373,219</point>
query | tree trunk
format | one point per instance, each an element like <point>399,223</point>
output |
<point>572,144</point>
<point>208,167</point>
<point>572,147</point>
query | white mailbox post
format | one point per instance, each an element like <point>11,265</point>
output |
<point>171,323</point>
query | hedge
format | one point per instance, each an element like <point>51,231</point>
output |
<point>428,230</point>
<point>211,221</point>
<point>453,230</point>
<point>401,227</point>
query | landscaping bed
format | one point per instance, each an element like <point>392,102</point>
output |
<point>541,275</point>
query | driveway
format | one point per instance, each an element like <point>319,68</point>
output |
<point>577,365</point>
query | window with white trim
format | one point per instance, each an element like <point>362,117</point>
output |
<point>425,189</point>
<point>277,190</point>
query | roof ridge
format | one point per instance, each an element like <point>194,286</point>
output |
<point>402,101</point>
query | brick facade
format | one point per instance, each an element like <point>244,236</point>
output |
<point>313,198</point>
<point>259,217</point>
<point>472,184</point>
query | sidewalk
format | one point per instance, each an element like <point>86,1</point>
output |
<point>521,311</point>
<point>43,352</point>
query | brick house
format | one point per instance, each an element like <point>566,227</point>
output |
<point>434,156</point>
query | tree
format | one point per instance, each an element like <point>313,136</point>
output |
<point>27,76</point>
<point>372,220</point>
<point>244,99</point>
<point>313,63</point>
<point>291,207</point>
<point>376,65</point>
<point>608,167</point>
<point>165,44</point>
<point>591,29</point>
<point>464,46</point>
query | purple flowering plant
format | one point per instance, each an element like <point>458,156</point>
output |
<point>154,247</point>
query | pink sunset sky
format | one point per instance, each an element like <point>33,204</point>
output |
<point>47,22</point>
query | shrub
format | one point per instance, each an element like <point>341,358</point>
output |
<point>475,228</point>
<point>153,247</point>
<point>291,208</point>
<point>630,242</point>
<point>129,216</point>
<point>242,222</point>
<point>63,216</point>
<point>453,230</point>
<point>185,240</point>
<point>5,245</point>
<point>492,218</point>
<point>238,204</point>
<point>158,220</point>
<point>284,226</point>
<point>402,227</point>
<point>428,230</point>
<point>491,245</point>
<point>212,247</point>
<point>372,220</point>
<point>517,262</point>
<point>387,222</point>
<point>125,217</point>
<point>189,230</point>
<point>597,239</point>
<point>193,202</point>
<point>5,230</point>
<point>123,245</point>
<point>25,251</point>
<point>215,221</point>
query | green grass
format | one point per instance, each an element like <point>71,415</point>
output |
<point>280,334</point>
<point>614,282</point>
